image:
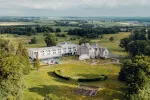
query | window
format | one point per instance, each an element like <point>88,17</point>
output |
<point>48,53</point>
<point>35,53</point>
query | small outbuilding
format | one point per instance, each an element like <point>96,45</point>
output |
<point>84,57</point>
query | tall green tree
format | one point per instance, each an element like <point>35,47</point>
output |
<point>138,47</point>
<point>11,73</point>
<point>124,43</point>
<point>24,58</point>
<point>11,83</point>
<point>135,73</point>
<point>37,63</point>
<point>149,34</point>
<point>84,40</point>
<point>50,40</point>
<point>58,30</point>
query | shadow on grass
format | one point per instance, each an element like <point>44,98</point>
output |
<point>61,80</point>
<point>52,89</point>
<point>89,75</point>
<point>66,91</point>
<point>108,94</point>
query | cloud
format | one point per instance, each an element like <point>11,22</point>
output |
<point>66,4</point>
<point>69,5</point>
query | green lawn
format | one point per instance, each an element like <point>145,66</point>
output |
<point>113,46</point>
<point>42,82</point>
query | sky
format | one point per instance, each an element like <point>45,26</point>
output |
<point>120,8</point>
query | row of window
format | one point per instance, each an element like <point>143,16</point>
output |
<point>54,50</point>
<point>58,50</point>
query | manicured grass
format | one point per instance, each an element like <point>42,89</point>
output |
<point>114,45</point>
<point>42,82</point>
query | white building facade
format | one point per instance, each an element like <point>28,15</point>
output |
<point>93,51</point>
<point>86,51</point>
<point>63,48</point>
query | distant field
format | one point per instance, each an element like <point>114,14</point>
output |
<point>65,28</point>
<point>106,24</point>
<point>15,23</point>
<point>42,82</point>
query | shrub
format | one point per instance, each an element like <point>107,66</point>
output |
<point>16,35</point>
<point>57,73</point>
<point>101,78</point>
<point>111,39</point>
<point>33,40</point>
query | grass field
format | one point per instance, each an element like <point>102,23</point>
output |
<point>113,46</point>
<point>42,82</point>
<point>104,42</point>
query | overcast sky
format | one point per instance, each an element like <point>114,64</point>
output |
<point>74,7</point>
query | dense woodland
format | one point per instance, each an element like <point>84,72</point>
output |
<point>135,72</point>
<point>14,64</point>
<point>93,32</point>
<point>137,43</point>
<point>88,31</point>
<point>27,30</point>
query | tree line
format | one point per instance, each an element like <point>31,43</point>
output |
<point>14,64</point>
<point>92,32</point>
<point>27,30</point>
<point>135,72</point>
<point>137,43</point>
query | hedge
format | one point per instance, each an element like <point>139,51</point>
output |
<point>101,78</point>
<point>61,76</point>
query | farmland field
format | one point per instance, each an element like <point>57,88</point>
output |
<point>15,23</point>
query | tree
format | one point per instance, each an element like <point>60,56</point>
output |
<point>30,31</point>
<point>37,63</point>
<point>139,35</point>
<point>58,30</point>
<point>50,40</point>
<point>24,58</point>
<point>11,72</point>
<point>33,40</point>
<point>134,73</point>
<point>111,39</point>
<point>84,40</point>
<point>11,78</point>
<point>124,43</point>
<point>138,47</point>
<point>149,34</point>
<point>144,93</point>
